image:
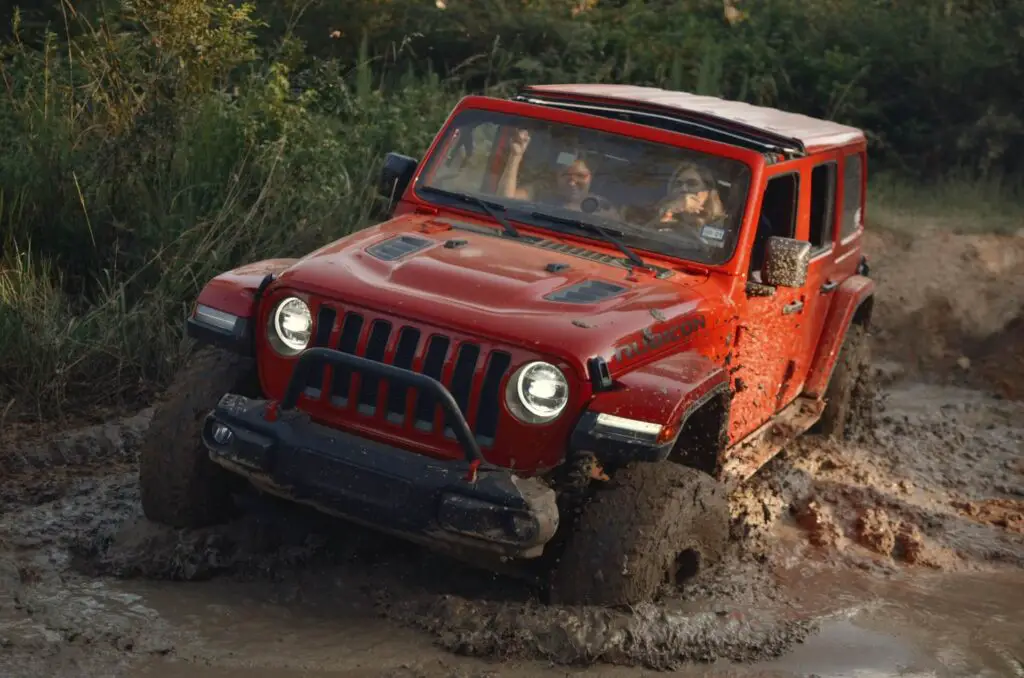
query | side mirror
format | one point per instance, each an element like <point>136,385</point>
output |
<point>786,261</point>
<point>395,176</point>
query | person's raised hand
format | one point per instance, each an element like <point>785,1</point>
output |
<point>520,140</point>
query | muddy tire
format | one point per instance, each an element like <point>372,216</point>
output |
<point>848,382</point>
<point>654,524</point>
<point>179,484</point>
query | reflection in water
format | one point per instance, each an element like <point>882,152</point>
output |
<point>932,625</point>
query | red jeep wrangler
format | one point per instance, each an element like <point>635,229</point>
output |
<point>593,310</point>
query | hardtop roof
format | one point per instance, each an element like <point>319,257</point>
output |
<point>790,131</point>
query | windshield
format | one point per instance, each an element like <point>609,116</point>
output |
<point>661,198</point>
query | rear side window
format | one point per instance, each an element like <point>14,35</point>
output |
<point>853,171</point>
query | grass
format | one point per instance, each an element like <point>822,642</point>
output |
<point>957,204</point>
<point>134,166</point>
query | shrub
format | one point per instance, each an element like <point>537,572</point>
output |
<point>147,148</point>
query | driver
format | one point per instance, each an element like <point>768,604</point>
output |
<point>693,201</point>
<point>570,188</point>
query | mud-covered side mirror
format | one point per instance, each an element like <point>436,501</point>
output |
<point>395,176</point>
<point>786,261</point>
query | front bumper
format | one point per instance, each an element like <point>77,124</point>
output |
<point>466,503</point>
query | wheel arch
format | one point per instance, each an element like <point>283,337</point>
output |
<point>853,304</point>
<point>671,394</point>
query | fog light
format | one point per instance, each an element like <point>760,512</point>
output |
<point>221,434</point>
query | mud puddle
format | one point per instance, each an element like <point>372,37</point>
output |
<point>937,625</point>
<point>884,554</point>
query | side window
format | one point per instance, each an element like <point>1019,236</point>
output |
<point>852,174</point>
<point>823,206</point>
<point>778,216</point>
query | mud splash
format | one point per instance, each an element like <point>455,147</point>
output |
<point>936,484</point>
<point>734,614</point>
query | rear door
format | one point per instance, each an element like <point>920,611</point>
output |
<point>822,282</point>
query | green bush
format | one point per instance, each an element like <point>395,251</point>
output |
<point>936,83</point>
<point>132,174</point>
<point>148,146</point>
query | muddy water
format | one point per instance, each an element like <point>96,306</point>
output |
<point>939,625</point>
<point>896,554</point>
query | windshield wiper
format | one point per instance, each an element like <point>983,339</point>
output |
<point>607,234</point>
<point>488,207</point>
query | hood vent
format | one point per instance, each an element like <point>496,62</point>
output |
<point>395,248</point>
<point>586,292</point>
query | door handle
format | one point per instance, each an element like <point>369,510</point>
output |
<point>829,286</point>
<point>792,307</point>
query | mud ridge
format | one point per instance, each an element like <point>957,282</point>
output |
<point>648,635</point>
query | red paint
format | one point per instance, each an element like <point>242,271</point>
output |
<point>471,473</point>
<point>491,292</point>
<point>232,291</point>
<point>848,298</point>
<point>662,391</point>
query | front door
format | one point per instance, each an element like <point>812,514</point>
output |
<point>765,375</point>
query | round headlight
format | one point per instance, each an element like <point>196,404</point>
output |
<point>291,326</point>
<point>537,393</point>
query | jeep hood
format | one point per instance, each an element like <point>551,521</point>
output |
<point>552,296</point>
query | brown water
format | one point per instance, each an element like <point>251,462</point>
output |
<point>936,625</point>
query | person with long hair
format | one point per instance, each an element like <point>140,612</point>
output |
<point>693,200</point>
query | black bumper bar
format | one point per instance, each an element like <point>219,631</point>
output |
<point>461,501</point>
<point>313,359</point>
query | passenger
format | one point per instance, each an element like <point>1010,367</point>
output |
<point>570,188</point>
<point>693,199</point>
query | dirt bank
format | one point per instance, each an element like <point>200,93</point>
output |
<point>934,486</point>
<point>951,307</point>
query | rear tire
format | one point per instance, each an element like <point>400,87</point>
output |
<point>849,379</point>
<point>657,523</point>
<point>179,484</point>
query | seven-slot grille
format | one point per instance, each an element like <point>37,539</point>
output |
<point>474,379</point>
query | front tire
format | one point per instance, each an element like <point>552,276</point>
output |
<point>179,484</point>
<point>657,523</point>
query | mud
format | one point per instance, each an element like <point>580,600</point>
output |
<point>951,307</point>
<point>849,557</point>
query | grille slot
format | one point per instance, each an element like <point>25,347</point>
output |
<point>490,397</point>
<point>433,365</point>
<point>376,345</point>
<point>408,341</point>
<point>462,381</point>
<point>348,343</point>
<point>324,326</point>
